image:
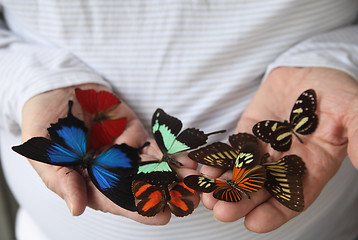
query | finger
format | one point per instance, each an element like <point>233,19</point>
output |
<point>353,140</point>
<point>134,135</point>
<point>232,211</point>
<point>261,219</point>
<point>186,161</point>
<point>65,182</point>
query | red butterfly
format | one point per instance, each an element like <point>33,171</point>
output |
<point>155,198</point>
<point>107,126</point>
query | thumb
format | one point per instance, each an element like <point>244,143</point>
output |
<point>65,182</point>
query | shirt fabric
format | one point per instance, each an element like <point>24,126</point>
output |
<point>199,60</point>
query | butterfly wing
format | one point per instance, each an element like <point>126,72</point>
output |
<point>247,175</point>
<point>70,132</point>
<point>100,104</point>
<point>217,154</point>
<point>157,173</point>
<point>303,117</point>
<point>188,139</point>
<point>151,198</point>
<point>221,190</point>
<point>226,192</point>
<point>96,102</point>
<point>67,147</point>
<point>104,132</point>
<point>46,151</point>
<point>178,205</point>
<point>240,139</point>
<point>278,134</point>
<point>284,181</point>
<point>165,128</point>
<point>112,173</point>
<point>200,183</point>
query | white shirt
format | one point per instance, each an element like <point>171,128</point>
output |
<point>199,60</point>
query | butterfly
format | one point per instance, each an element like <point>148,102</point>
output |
<point>284,181</point>
<point>111,171</point>
<point>107,126</point>
<point>222,155</point>
<point>303,120</point>
<point>157,173</point>
<point>166,130</point>
<point>153,199</point>
<point>247,177</point>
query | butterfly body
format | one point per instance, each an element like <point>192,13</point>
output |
<point>303,120</point>
<point>110,171</point>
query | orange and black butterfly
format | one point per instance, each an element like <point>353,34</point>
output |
<point>247,176</point>
<point>284,181</point>
<point>153,199</point>
<point>303,120</point>
<point>107,126</point>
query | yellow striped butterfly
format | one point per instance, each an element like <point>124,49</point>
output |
<point>222,155</point>
<point>284,181</point>
<point>247,177</point>
<point>303,120</point>
<point>153,199</point>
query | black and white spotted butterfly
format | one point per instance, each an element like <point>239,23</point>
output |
<point>303,120</point>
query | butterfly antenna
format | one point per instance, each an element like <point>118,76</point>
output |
<point>216,132</point>
<point>264,157</point>
<point>69,171</point>
<point>299,139</point>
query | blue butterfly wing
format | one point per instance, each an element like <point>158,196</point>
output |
<point>70,132</point>
<point>67,146</point>
<point>112,173</point>
<point>47,151</point>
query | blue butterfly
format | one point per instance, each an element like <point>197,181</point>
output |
<point>111,171</point>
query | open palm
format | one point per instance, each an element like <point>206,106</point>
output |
<point>323,151</point>
<point>76,188</point>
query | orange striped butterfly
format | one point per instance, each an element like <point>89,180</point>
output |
<point>107,126</point>
<point>284,181</point>
<point>247,177</point>
<point>153,199</point>
<point>303,120</point>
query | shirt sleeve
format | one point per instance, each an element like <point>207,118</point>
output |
<point>337,49</point>
<point>29,69</point>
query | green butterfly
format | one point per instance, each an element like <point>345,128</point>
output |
<point>166,130</point>
<point>157,173</point>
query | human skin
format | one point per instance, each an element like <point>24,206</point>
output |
<point>323,151</point>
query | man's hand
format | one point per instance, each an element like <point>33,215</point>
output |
<point>322,151</point>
